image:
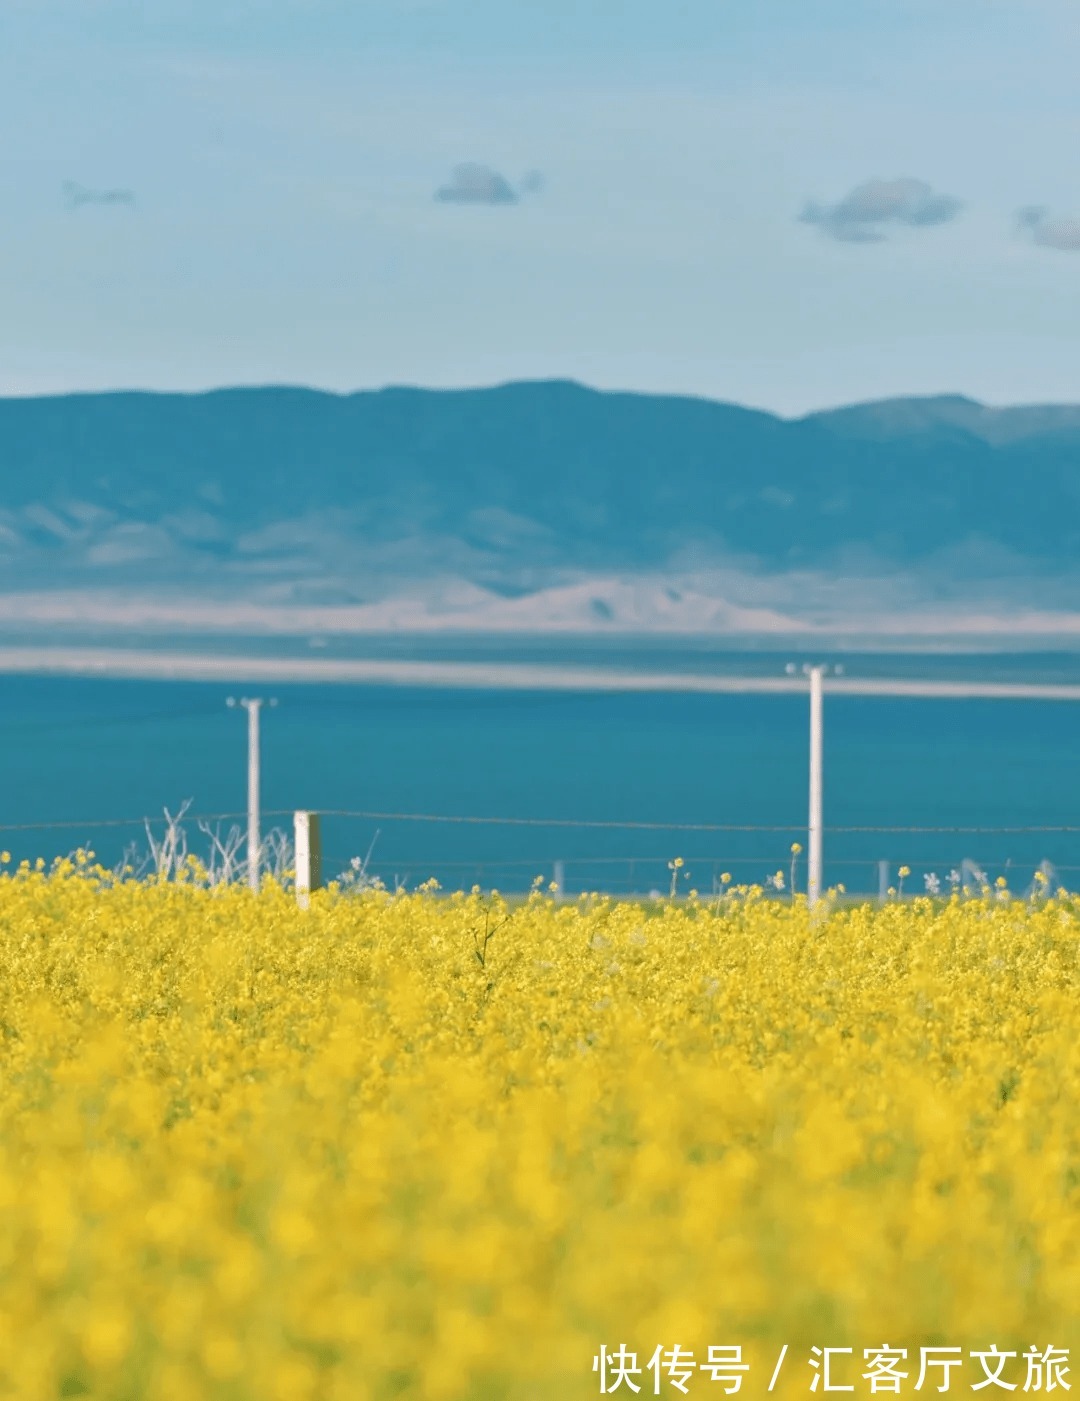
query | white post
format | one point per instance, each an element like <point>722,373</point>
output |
<point>308,856</point>
<point>813,883</point>
<point>559,880</point>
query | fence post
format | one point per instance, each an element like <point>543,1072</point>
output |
<point>882,882</point>
<point>308,855</point>
<point>559,880</point>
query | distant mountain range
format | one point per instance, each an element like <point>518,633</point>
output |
<point>536,506</point>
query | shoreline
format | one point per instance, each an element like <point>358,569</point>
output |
<point>134,664</point>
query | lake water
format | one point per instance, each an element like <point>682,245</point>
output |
<point>85,752</point>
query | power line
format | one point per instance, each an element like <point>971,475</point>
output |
<point>119,822</point>
<point>588,823</point>
<point>583,824</point>
<point>93,722</point>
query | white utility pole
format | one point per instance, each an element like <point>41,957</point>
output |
<point>813,854</point>
<point>254,843</point>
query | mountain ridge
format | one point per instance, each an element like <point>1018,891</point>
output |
<point>289,493</point>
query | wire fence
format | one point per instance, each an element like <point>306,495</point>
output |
<point>710,855</point>
<point>554,823</point>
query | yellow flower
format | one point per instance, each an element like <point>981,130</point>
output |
<point>387,1145</point>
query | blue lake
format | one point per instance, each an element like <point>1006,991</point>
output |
<point>85,752</point>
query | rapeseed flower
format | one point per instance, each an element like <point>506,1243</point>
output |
<point>249,1151</point>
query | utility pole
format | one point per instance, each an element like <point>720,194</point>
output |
<point>814,824</point>
<point>813,851</point>
<point>254,843</point>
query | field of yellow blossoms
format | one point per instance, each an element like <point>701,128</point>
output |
<point>445,1147</point>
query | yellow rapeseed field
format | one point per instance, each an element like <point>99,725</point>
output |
<point>442,1147</point>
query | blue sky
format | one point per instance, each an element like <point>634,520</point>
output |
<point>283,159</point>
